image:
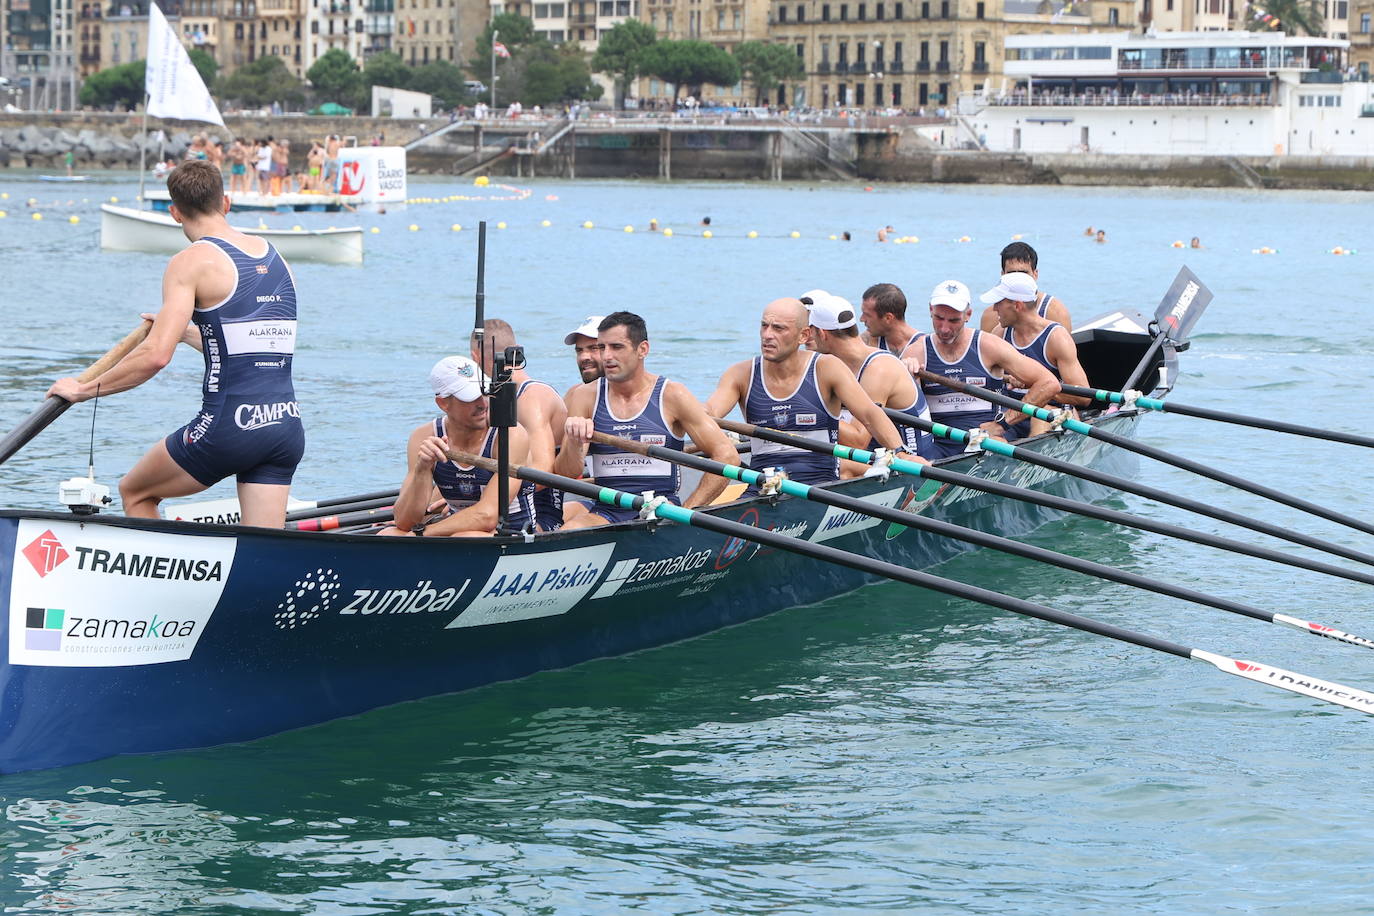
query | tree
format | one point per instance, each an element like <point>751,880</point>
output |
<point>767,65</point>
<point>119,87</point>
<point>387,69</point>
<point>1291,16</point>
<point>442,80</point>
<point>689,63</point>
<point>516,32</point>
<point>264,81</point>
<point>335,77</point>
<point>205,65</point>
<point>619,52</point>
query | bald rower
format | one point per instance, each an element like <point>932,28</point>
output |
<point>1018,257</point>
<point>539,411</point>
<point>797,391</point>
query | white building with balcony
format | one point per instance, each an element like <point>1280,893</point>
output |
<point>1194,93</point>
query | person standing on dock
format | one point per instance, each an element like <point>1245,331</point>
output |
<point>818,388</point>
<point>1018,257</point>
<point>241,296</point>
<point>632,403</point>
<point>539,410</point>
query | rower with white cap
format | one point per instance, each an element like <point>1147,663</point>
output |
<point>585,349</point>
<point>958,352</point>
<point>1018,257</point>
<point>834,330</point>
<point>471,497</point>
<point>1047,342</point>
<point>818,387</point>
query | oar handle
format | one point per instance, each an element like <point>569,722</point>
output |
<point>53,407</point>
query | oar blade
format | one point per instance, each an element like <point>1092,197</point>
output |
<point>1330,691</point>
<point>1322,630</point>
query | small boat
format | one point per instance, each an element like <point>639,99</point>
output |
<point>64,177</point>
<point>131,636</point>
<point>126,229</point>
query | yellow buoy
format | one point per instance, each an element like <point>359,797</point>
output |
<point>964,238</point>
<point>753,234</point>
<point>481,181</point>
<point>629,228</point>
<point>295,228</point>
<point>1177,244</point>
<point>1338,250</point>
<point>4,195</point>
<point>587,224</point>
<point>38,216</point>
<point>375,230</point>
<point>706,234</point>
<point>114,200</point>
<point>1017,237</point>
<point>414,228</point>
<point>73,219</point>
<point>3,214</point>
<point>457,227</point>
<point>546,224</point>
<point>835,237</point>
<point>668,233</point>
<point>796,234</point>
<point>501,225</point>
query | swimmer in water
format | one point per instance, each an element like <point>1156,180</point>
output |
<point>1101,236</point>
<point>1195,243</point>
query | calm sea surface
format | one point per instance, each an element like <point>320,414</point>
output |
<point>888,751</point>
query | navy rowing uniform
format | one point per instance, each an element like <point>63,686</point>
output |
<point>955,408</point>
<point>915,441</point>
<point>628,471</point>
<point>249,424</point>
<point>802,413</point>
<point>1043,308</point>
<point>1036,351</point>
<point>548,501</point>
<point>461,486</point>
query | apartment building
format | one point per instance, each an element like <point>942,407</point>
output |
<point>39,51</point>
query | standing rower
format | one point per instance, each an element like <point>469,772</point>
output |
<point>539,410</point>
<point>834,331</point>
<point>1018,257</point>
<point>469,491</point>
<point>242,299</point>
<point>958,352</point>
<point>818,387</point>
<point>632,403</point>
<point>1035,336</point>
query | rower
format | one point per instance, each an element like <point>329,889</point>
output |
<point>539,410</point>
<point>958,352</point>
<point>1018,257</point>
<point>883,312</point>
<point>632,403</point>
<point>1044,341</point>
<point>888,383</point>
<point>470,493</point>
<point>241,296</point>
<point>585,349</point>
<point>819,387</point>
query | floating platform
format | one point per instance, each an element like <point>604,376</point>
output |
<point>311,201</point>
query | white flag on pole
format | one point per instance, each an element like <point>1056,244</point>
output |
<point>174,86</point>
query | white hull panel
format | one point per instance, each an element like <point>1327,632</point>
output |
<point>126,229</point>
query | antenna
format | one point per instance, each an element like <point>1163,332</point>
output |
<point>82,495</point>
<point>95,407</point>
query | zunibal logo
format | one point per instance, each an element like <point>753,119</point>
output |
<point>310,597</point>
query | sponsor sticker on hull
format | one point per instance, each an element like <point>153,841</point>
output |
<point>96,597</point>
<point>535,585</point>
<point>839,522</point>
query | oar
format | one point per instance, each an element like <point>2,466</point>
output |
<point>343,520</point>
<point>1169,406</point>
<point>370,501</point>
<point>1158,454</point>
<point>1049,500</point>
<point>53,407</point>
<point>1275,677</point>
<point>978,538</point>
<point>1006,449</point>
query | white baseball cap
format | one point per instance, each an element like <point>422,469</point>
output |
<point>815,295</point>
<point>1016,286</point>
<point>831,313</point>
<point>951,293</point>
<point>588,328</point>
<point>459,377</point>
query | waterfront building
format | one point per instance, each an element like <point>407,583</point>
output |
<point>332,25</point>
<point>1214,93</point>
<point>38,52</point>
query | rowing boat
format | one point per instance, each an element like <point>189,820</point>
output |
<point>126,229</point>
<point>130,636</point>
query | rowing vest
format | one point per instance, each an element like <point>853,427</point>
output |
<point>1035,350</point>
<point>462,486</point>
<point>955,408</point>
<point>804,413</point>
<point>249,341</point>
<point>881,344</point>
<point>548,502</point>
<point>628,471</point>
<point>914,440</point>
<point>1043,309</point>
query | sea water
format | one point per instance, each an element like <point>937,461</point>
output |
<point>888,751</point>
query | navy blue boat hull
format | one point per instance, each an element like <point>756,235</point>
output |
<point>129,636</point>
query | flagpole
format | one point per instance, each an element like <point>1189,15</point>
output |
<point>495,33</point>
<point>143,152</point>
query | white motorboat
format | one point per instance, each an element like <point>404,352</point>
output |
<point>126,229</point>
